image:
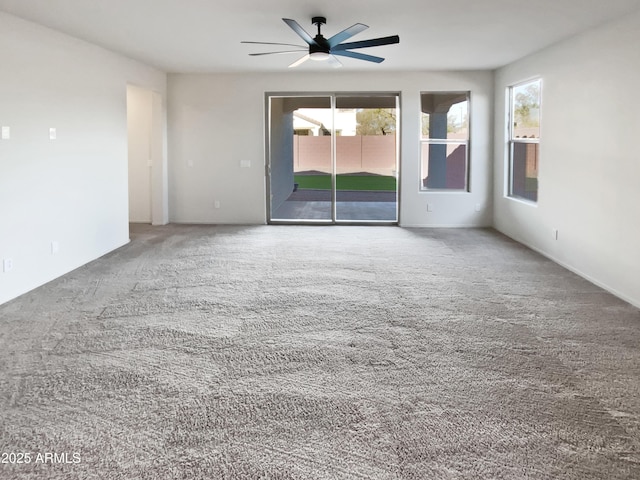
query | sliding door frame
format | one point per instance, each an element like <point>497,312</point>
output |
<point>332,95</point>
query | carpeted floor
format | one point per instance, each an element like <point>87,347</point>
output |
<point>293,352</point>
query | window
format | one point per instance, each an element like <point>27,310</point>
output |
<point>444,156</point>
<point>524,140</point>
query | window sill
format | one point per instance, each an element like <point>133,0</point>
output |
<point>524,201</point>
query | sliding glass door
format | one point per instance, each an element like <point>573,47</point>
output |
<point>366,158</point>
<point>300,163</point>
<point>332,158</point>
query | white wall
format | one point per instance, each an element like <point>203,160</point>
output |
<point>72,190</point>
<point>589,157</point>
<point>217,120</point>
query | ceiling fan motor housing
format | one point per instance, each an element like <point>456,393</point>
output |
<point>321,47</point>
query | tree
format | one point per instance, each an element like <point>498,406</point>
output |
<point>375,121</point>
<point>527,105</point>
<point>454,124</point>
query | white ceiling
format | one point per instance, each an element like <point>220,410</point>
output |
<point>205,35</point>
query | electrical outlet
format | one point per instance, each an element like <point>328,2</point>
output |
<point>478,207</point>
<point>6,133</point>
<point>7,265</point>
<point>216,204</point>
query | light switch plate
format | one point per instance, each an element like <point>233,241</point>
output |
<point>6,133</point>
<point>7,265</point>
<point>52,134</point>
<point>245,163</point>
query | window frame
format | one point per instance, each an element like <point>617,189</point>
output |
<point>446,141</point>
<point>512,140</point>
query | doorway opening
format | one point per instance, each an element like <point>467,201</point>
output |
<point>332,158</point>
<point>145,155</point>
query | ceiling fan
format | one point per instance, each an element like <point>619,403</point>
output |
<point>326,49</point>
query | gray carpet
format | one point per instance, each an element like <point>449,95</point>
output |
<point>294,352</point>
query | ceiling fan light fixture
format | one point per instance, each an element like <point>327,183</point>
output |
<point>319,56</point>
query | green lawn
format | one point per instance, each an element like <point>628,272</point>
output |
<point>531,184</point>
<point>347,182</point>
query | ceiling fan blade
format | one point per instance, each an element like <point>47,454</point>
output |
<point>299,61</point>
<point>347,33</point>
<point>275,53</point>
<point>374,42</point>
<point>295,26</point>
<point>271,43</point>
<point>334,62</point>
<point>359,56</point>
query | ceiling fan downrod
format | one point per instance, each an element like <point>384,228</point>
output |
<point>321,50</point>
